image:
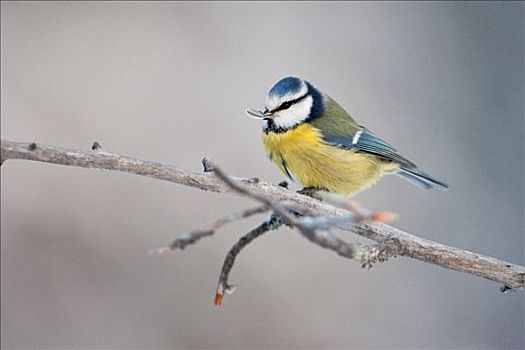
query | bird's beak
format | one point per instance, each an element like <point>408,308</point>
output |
<point>253,113</point>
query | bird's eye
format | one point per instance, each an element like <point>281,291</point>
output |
<point>286,105</point>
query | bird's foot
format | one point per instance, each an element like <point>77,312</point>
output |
<point>309,191</point>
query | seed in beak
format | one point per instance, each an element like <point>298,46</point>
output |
<point>252,113</point>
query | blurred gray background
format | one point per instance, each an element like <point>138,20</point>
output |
<point>443,82</point>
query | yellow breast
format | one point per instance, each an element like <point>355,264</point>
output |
<point>302,154</point>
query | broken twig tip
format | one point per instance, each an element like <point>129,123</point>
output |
<point>207,165</point>
<point>96,146</point>
<point>218,298</point>
<point>383,216</point>
<point>159,251</point>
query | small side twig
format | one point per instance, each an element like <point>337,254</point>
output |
<point>192,237</point>
<point>314,229</point>
<point>309,227</point>
<point>283,213</point>
<point>272,223</point>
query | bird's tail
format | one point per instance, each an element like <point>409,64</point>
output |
<point>421,179</point>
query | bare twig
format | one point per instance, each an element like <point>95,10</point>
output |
<point>282,212</point>
<point>354,207</point>
<point>192,237</point>
<point>507,274</point>
<point>272,223</point>
<point>314,229</point>
<point>309,226</point>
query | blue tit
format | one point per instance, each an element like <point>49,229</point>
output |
<point>314,141</point>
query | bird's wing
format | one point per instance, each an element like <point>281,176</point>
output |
<point>363,140</point>
<point>341,130</point>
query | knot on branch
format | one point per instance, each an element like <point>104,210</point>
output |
<point>369,255</point>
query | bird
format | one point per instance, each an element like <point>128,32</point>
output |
<point>315,142</point>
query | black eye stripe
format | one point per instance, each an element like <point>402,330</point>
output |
<point>288,104</point>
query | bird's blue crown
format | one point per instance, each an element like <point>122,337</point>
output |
<point>288,85</point>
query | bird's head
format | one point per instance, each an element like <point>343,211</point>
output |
<point>290,102</point>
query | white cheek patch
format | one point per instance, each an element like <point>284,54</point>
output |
<point>272,102</point>
<point>294,115</point>
<point>275,101</point>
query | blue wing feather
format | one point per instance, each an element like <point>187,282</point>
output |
<point>368,142</point>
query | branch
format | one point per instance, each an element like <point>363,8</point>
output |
<point>314,229</point>
<point>273,222</point>
<point>192,237</point>
<point>511,276</point>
